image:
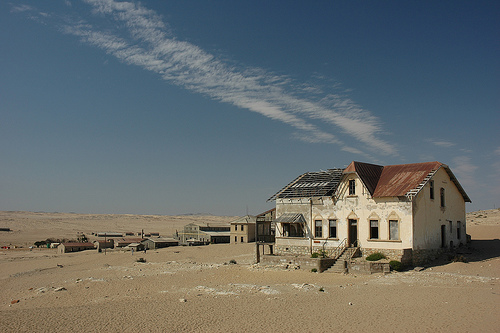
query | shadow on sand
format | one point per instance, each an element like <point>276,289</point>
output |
<point>475,251</point>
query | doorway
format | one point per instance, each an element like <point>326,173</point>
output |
<point>353,232</point>
<point>443,235</point>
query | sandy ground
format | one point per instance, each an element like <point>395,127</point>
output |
<point>196,289</point>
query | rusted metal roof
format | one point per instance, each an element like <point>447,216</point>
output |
<point>397,180</point>
<point>368,173</point>
<point>381,181</point>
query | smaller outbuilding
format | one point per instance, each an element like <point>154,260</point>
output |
<point>122,242</point>
<point>135,246</point>
<point>74,247</point>
<point>101,244</point>
<point>157,243</point>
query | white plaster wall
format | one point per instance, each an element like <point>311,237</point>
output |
<point>429,216</point>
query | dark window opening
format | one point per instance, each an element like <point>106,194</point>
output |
<point>333,228</point>
<point>431,184</point>
<point>373,229</point>
<point>352,187</point>
<point>442,197</point>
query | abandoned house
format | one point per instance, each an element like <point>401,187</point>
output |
<point>409,212</point>
<point>197,234</point>
<point>74,247</point>
<point>243,229</point>
<point>158,243</point>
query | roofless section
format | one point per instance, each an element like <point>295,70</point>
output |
<point>311,184</point>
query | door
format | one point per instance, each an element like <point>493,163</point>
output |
<point>443,235</point>
<point>353,232</point>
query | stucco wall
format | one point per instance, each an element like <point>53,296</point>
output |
<point>429,216</point>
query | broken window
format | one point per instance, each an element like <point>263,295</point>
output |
<point>373,229</point>
<point>292,230</point>
<point>332,228</point>
<point>318,228</point>
<point>352,187</point>
<point>393,229</point>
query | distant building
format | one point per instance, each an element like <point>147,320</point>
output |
<point>158,243</point>
<point>101,244</point>
<point>243,229</point>
<point>109,234</point>
<point>122,242</point>
<point>205,234</point>
<point>74,247</point>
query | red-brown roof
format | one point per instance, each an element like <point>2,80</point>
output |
<point>397,180</point>
<point>368,173</point>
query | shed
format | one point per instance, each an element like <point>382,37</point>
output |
<point>74,247</point>
<point>157,243</point>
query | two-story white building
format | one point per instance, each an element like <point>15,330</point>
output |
<point>409,212</point>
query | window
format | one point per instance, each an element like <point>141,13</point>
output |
<point>442,197</point>
<point>352,187</point>
<point>451,226</point>
<point>235,239</point>
<point>393,229</point>
<point>235,227</point>
<point>242,239</point>
<point>431,186</point>
<point>292,230</point>
<point>459,231</point>
<point>373,229</point>
<point>242,227</point>
<point>318,228</point>
<point>332,228</point>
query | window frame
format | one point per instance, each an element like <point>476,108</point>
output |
<point>372,228</point>
<point>352,186</point>
<point>318,228</point>
<point>399,230</point>
<point>334,228</point>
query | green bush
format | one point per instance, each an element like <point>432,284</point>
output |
<point>375,256</point>
<point>396,265</point>
<point>315,255</point>
<point>314,270</point>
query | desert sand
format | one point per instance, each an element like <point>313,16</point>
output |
<point>197,289</point>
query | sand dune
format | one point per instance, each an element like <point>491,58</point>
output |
<point>196,289</point>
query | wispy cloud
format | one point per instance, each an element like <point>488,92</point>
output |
<point>441,143</point>
<point>143,39</point>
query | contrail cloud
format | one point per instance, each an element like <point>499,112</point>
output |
<point>140,37</point>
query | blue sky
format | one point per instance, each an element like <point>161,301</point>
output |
<point>176,107</point>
